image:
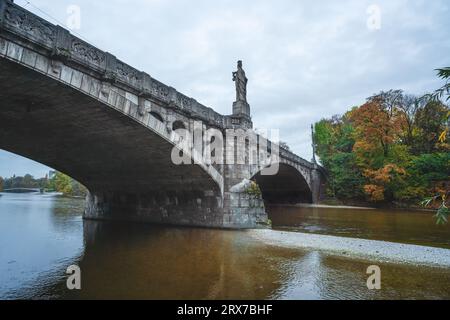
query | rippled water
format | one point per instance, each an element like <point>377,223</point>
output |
<point>40,237</point>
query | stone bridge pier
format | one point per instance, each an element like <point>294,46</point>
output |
<point>82,111</point>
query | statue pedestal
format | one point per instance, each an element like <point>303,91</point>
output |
<point>241,115</point>
<point>241,108</point>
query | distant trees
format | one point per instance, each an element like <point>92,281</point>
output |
<point>59,183</point>
<point>27,181</point>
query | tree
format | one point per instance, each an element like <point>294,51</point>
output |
<point>444,91</point>
<point>409,106</point>
<point>443,196</point>
<point>383,182</point>
<point>28,181</point>
<point>376,129</point>
<point>346,181</point>
<point>386,150</point>
<point>1,184</point>
<point>334,143</point>
<point>65,184</point>
<point>430,122</point>
<point>390,100</point>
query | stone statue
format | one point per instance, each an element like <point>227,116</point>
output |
<point>241,83</point>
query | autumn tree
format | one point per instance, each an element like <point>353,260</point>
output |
<point>376,129</point>
<point>430,122</point>
<point>392,149</point>
<point>1,184</point>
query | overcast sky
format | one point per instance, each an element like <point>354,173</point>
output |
<point>305,60</point>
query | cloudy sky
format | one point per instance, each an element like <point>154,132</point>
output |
<point>304,60</point>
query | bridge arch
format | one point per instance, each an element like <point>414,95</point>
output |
<point>178,124</point>
<point>157,116</point>
<point>69,120</point>
<point>288,186</point>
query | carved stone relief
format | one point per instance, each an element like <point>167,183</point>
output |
<point>87,52</point>
<point>33,26</point>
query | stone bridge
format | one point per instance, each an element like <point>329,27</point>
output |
<point>80,110</point>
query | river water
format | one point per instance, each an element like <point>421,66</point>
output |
<point>41,236</point>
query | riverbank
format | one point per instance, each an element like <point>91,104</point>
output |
<point>368,205</point>
<point>380,251</point>
<point>323,206</point>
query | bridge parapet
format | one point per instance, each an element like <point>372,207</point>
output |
<point>289,155</point>
<point>61,44</point>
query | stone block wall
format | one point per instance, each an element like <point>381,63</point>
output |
<point>233,211</point>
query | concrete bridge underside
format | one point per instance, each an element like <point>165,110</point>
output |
<point>120,161</point>
<point>288,186</point>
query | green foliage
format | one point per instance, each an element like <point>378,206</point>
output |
<point>387,150</point>
<point>443,211</point>
<point>59,183</point>
<point>63,183</point>
<point>430,121</point>
<point>334,144</point>
<point>346,180</point>
<point>253,190</point>
<point>27,181</point>
<point>444,91</point>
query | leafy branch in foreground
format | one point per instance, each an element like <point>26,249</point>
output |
<point>440,93</point>
<point>443,210</point>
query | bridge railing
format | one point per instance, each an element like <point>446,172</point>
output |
<point>287,154</point>
<point>60,43</point>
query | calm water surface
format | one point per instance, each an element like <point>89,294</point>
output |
<point>40,237</point>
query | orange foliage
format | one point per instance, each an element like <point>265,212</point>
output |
<point>376,128</point>
<point>375,193</point>
<point>380,179</point>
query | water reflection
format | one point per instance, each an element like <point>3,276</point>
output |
<point>143,262</point>
<point>37,236</point>
<point>179,263</point>
<point>40,238</point>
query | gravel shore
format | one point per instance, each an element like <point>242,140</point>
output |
<point>381,251</point>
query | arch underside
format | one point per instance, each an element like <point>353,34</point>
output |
<point>63,128</point>
<point>287,187</point>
